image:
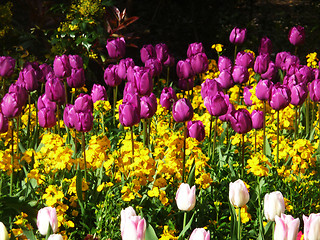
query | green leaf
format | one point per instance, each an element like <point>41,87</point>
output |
<point>150,233</point>
<point>79,185</point>
<point>191,177</point>
<point>268,148</point>
<point>29,234</point>
<point>186,227</point>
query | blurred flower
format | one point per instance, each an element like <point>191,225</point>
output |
<point>77,78</point>
<point>116,47</point>
<point>3,124</point>
<point>75,61</point>
<point>111,76</point>
<point>46,216</point>
<point>134,228</point>
<point>3,232</point>
<point>199,63</point>
<point>247,95</point>
<point>184,69</point>
<point>186,84</point>
<point>314,90</point>
<point>123,66</point>
<point>194,49</point>
<point>216,104</point>
<point>297,35</point>
<point>125,214</point>
<point>186,197</point>
<point>55,237</point>
<point>238,36</point>
<point>245,59</point>
<point>238,193</point>
<point>168,97</point>
<point>240,74</point>
<point>162,52</point>
<point>224,63</point>
<point>196,130</point>
<point>98,92</point>
<point>61,66</point>
<point>210,87</point>
<point>182,110</point>
<point>7,65</point>
<point>47,117</point>
<point>273,205</point>
<point>148,106</point>
<point>311,226</point>
<point>257,119</point>
<point>154,65</point>
<point>265,46</point>
<point>286,227</point>
<point>200,234</point>
<point>279,96</point>
<point>147,52</point>
<point>241,121</point>
<point>263,89</point>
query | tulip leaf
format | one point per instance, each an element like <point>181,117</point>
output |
<point>186,227</point>
<point>234,225</point>
<point>29,234</point>
<point>268,148</point>
<point>150,233</point>
<point>191,176</point>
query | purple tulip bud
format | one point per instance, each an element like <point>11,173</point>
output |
<point>116,47</point>
<point>196,130</point>
<point>225,79</point>
<point>111,77</point>
<point>148,106</point>
<point>28,79</point>
<point>304,74</point>
<point>194,49</point>
<point>44,102</point>
<point>316,73</point>
<point>54,89</point>
<point>247,95</point>
<point>290,80</point>
<point>162,52</point>
<point>245,59</point>
<point>83,103</point>
<point>3,123</point>
<point>186,84</point>
<point>83,121</point>
<point>281,59</point>
<point>61,66</point>
<point>216,104</point>
<point>241,121</point>
<point>77,78</point>
<point>261,63</point>
<point>21,93</point>
<point>289,61</point>
<point>210,87</point>
<point>123,66</point>
<point>279,96</point>
<point>230,111</point>
<point>69,116</point>
<point>257,119</point>
<point>299,93</point>
<point>47,117</point>
<point>147,52</point>
<point>184,69</point>
<point>271,71</point>
<point>130,88</point>
<point>47,71</point>
<point>155,66</point>
<point>75,61</point>
<point>168,97</point>
<point>182,110</point>
<point>238,36</point>
<point>98,92</point>
<point>169,62</point>
<point>263,89</point>
<point>129,112</point>
<point>143,80</point>
<point>199,63</point>
<point>297,35</point>
<point>7,65</point>
<point>224,63</point>
<point>134,100</point>
<point>265,46</point>
<point>10,106</point>
<point>314,90</point>
<point>240,74</point>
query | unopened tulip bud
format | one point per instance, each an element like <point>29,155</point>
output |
<point>238,193</point>
<point>186,197</point>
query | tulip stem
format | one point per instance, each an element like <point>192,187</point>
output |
<point>242,159</point>
<point>132,144</point>
<point>184,222</point>
<point>66,91</point>
<point>264,127</point>
<point>214,136</point>
<point>184,151</point>
<point>277,163</point>
<point>12,157</point>
<point>58,116</point>
<point>83,145</point>
<point>295,123</point>
<point>103,127</point>
<point>307,115</point>
<point>235,53</point>
<point>3,86</point>
<point>29,116</point>
<point>168,73</point>
<point>239,223</point>
<point>261,229</point>
<point>255,141</point>
<point>210,133</point>
<point>145,144</point>
<point>115,93</point>
<point>149,131</point>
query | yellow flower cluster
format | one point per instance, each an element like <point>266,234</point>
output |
<point>257,165</point>
<point>312,60</point>
<point>168,234</point>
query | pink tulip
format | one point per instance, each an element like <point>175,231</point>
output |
<point>46,216</point>
<point>238,193</point>
<point>311,226</point>
<point>273,205</point>
<point>286,227</point>
<point>200,234</point>
<point>186,197</point>
<point>134,228</point>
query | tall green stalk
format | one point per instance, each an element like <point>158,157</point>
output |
<point>12,158</point>
<point>215,136</point>
<point>132,143</point>
<point>264,127</point>
<point>83,145</point>
<point>184,151</point>
<point>115,93</point>
<point>66,91</point>
<point>277,164</point>
<point>239,223</point>
<point>210,140</point>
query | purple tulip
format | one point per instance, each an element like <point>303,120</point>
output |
<point>230,111</point>
<point>210,87</point>
<point>240,74</point>
<point>297,35</point>
<point>47,117</point>
<point>148,106</point>
<point>77,78</point>
<point>196,130</point>
<point>83,103</point>
<point>263,89</point>
<point>154,65</point>
<point>316,73</point>
<point>147,52</point>
<point>186,84</point>
<point>129,113</point>
<point>10,106</point>
<point>134,100</point>
<point>47,71</point>
<point>261,63</point>
<point>245,59</point>
<point>21,93</point>
<point>225,79</point>
<point>36,67</point>
<point>28,79</point>
<point>7,65</point>
<point>299,93</point>
<point>184,69</point>
<point>168,97</point>
<point>111,77</point>
<point>199,63</point>
<point>169,62</point>
<point>290,80</point>
<point>216,104</point>
<point>61,66</point>
<point>304,74</point>
<point>75,61</point>
<point>54,89</point>
<point>241,121</point>
<point>83,121</point>
<point>123,66</point>
<point>143,80</point>
<point>279,96</point>
<point>271,71</point>
<point>257,119</point>
<point>281,59</point>
<point>314,90</point>
<point>265,46</point>
<point>3,123</point>
<point>182,110</point>
<point>130,88</point>
<point>116,47</point>
<point>238,36</point>
<point>98,92</point>
<point>224,63</point>
<point>289,61</point>
<point>44,102</point>
<point>162,52</point>
<point>247,95</point>
<point>194,49</point>
<point>69,116</point>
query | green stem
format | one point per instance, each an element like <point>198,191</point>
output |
<point>242,159</point>
<point>184,151</point>
<point>261,228</point>
<point>210,140</point>
<point>103,127</point>
<point>66,91</point>
<point>83,145</point>
<point>145,133</point>
<point>168,73</point>
<point>12,158</point>
<point>307,115</point>
<point>184,221</point>
<point>239,223</point>
<point>58,120</point>
<point>255,141</point>
<point>29,116</point>
<point>295,123</point>
<point>215,136</point>
<point>132,143</point>
<point>264,127</point>
<point>277,164</point>
<point>149,131</point>
<point>115,93</point>
<point>235,53</point>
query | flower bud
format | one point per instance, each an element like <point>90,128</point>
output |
<point>148,106</point>
<point>224,63</point>
<point>216,104</point>
<point>162,52</point>
<point>111,76</point>
<point>311,226</point>
<point>238,193</point>
<point>10,106</point>
<point>240,74</point>
<point>297,35</point>
<point>47,117</point>
<point>75,61</point>
<point>55,237</point>
<point>273,205</point>
<point>263,89</point>
<point>54,89</point>
<point>186,197</point>
<point>257,119</point>
<point>245,59</point>
<point>238,36</point>
<point>194,49</point>
<point>168,97</point>
<point>200,234</point>
<point>98,92</point>
<point>3,232</point>
<point>265,46</point>
<point>279,96</point>
<point>7,65</point>
<point>61,66</point>
<point>196,130</point>
<point>182,110</point>
<point>286,227</point>
<point>147,52</point>
<point>116,47</point>
<point>241,121</point>
<point>134,228</point>
<point>184,69</point>
<point>199,63</point>
<point>46,216</point>
<point>125,214</point>
<point>77,78</point>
